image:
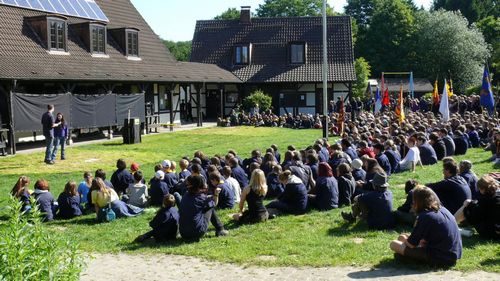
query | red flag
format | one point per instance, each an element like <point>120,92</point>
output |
<point>385,100</point>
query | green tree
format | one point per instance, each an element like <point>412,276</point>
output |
<point>292,8</point>
<point>180,50</point>
<point>444,44</point>
<point>363,72</point>
<point>229,14</point>
<point>490,27</point>
<point>258,97</point>
<point>473,10</point>
<point>385,45</point>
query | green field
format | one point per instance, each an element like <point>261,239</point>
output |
<point>314,239</point>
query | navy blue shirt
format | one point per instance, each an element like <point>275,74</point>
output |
<point>327,193</point>
<point>295,197</point>
<point>240,176</point>
<point>325,153</point>
<point>359,174</point>
<point>427,154</point>
<point>394,159</point>
<point>452,192</point>
<point>461,145</point>
<point>352,153</point>
<point>45,202</point>
<point>69,206</point>
<point>47,123</point>
<point>406,207</point>
<point>226,196</point>
<point>121,179</point>
<point>61,131</point>
<point>379,205</point>
<point>274,187</point>
<point>346,186</point>
<point>157,191</point>
<point>450,145</point>
<point>165,224</point>
<point>192,222</point>
<point>440,231</point>
<point>471,180</point>
<point>440,149</point>
<point>314,170</point>
<point>171,180</point>
<point>184,174</point>
<point>383,161</point>
<point>474,138</point>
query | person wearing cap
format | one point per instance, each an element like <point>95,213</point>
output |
<point>374,206</point>
<point>325,195</point>
<point>170,177</point>
<point>357,170</point>
<point>158,189</point>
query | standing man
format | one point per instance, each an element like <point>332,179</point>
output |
<point>48,124</point>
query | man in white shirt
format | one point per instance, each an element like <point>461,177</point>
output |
<point>412,158</point>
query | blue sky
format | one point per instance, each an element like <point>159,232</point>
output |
<point>175,19</point>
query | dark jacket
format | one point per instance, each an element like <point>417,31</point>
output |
<point>452,192</point>
<point>69,206</point>
<point>440,149</point>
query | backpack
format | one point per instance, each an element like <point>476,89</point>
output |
<point>106,214</point>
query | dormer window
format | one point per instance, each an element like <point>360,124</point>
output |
<point>132,43</point>
<point>297,53</point>
<point>57,35</point>
<point>242,54</point>
<point>98,34</point>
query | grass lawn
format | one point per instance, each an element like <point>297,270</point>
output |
<point>314,239</point>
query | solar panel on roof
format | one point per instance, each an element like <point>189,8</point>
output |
<point>77,8</point>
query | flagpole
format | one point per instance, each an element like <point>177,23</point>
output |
<point>325,74</point>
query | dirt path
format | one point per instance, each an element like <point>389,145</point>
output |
<point>168,267</point>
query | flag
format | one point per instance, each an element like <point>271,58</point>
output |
<point>378,101</point>
<point>444,108</point>
<point>450,88</point>
<point>385,99</point>
<point>435,93</point>
<point>340,120</point>
<point>400,107</point>
<point>486,99</point>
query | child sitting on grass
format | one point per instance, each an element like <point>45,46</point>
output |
<point>158,189</point>
<point>165,224</point>
<point>196,210</point>
<point>44,200</point>
<point>84,189</point>
<point>404,214</point>
<point>20,191</point>
<point>69,202</point>
<point>223,194</point>
<point>137,192</point>
<point>435,239</point>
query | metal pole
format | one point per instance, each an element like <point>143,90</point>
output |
<point>325,74</point>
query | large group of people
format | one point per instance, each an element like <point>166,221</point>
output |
<point>354,171</point>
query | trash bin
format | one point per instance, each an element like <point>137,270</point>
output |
<point>132,131</point>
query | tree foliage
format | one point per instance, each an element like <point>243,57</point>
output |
<point>363,72</point>
<point>473,10</point>
<point>180,50</point>
<point>258,97</point>
<point>292,8</point>
<point>444,44</point>
<point>229,14</point>
<point>490,26</point>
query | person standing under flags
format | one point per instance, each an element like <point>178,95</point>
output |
<point>486,99</point>
<point>378,101</point>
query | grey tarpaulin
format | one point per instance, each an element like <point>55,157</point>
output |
<point>90,111</point>
<point>134,102</point>
<point>28,109</point>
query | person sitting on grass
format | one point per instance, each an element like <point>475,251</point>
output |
<point>381,158</point>
<point>233,183</point>
<point>373,206</point>
<point>121,178</point>
<point>84,189</point>
<point>165,224</point>
<point>253,195</point>
<point>346,184</point>
<point>20,191</point>
<point>69,202</point>
<point>404,214</point>
<point>453,190</point>
<point>435,239</point>
<point>483,214</point>
<point>412,158</point>
<point>137,192</point>
<point>196,210</point>
<point>158,189</point>
<point>274,187</point>
<point>238,172</point>
<point>184,173</point>
<point>44,200</point>
<point>170,177</point>
<point>293,200</point>
<point>222,194</point>
<point>103,196</point>
<point>465,170</point>
<point>325,195</point>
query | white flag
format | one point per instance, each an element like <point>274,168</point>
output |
<point>444,107</point>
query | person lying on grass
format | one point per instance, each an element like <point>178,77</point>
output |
<point>435,239</point>
<point>253,195</point>
<point>165,224</point>
<point>196,210</point>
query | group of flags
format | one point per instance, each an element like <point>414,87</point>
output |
<point>486,97</point>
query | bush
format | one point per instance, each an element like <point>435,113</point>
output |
<point>29,252</point>
<point>259,98</point>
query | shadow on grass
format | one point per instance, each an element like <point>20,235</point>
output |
<point>152,244</point>
<point>87,220</point>
<point>346,229</point>
<point>491,262</point>
<point>476,240</point>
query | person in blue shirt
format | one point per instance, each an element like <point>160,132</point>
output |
<point>238,172</point>
<point>382,160</point>
<point>393,155</point>
<point>277,154</point>
<point>223,195</point>
<point>165,224</point>
<point>158,189</point>
<point>404,214</point>
<point>325,195</point>
<point>48,124</point>
<point>121,178</point>
<point>461,141</point>
<point>44,200</point>
<point>465,171</point>
<point>474,139</point>
<point>438,145</point>
<point>196,210</point>
<point>427,154</point>
<point>357,170</point>
<point>274,187</point>
<point>348,149</point>
<point>448,141</point>
<point>84,189</point>
<point>453,190</point>
<point>69,202</point>
<point>293,200</point>
<point>374,206</point>
<point>61,134</point>
<point>435,239</point>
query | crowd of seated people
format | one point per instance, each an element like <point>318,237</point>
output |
<point>269,119</point>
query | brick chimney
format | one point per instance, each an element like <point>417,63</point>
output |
<point>245,15</point>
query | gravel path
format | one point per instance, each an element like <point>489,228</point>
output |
<point>168,267</point>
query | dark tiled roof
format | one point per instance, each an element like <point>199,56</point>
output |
<point>214,42</point>
<point>22,55</point>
